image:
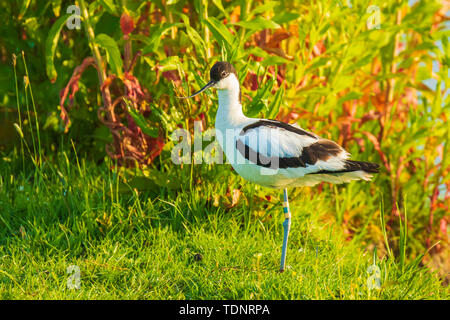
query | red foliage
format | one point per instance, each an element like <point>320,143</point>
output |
<point>126,24</point>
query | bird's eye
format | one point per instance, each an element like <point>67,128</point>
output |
<point>224,73</point>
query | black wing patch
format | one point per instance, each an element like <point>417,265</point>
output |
<point>321,150</point>
<point>268,162</point>
<point>277,124</point>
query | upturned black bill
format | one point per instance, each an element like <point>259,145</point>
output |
<point>208,85</point>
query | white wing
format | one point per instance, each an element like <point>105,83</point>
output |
<point>298,152</point>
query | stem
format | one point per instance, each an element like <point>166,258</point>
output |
<point>98,60</point>
<point>34,109</point>
<point>128,52</point>
<point>18,109</point>
<point>205,16</point>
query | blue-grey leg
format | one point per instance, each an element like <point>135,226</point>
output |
<point>286,227</point>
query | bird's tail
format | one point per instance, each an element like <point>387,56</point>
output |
<point>353,170</point>
<point>353,165</point>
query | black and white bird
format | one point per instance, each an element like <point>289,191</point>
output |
<point>275,154</point>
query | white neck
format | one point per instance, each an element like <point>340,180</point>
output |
<point>229,113</point>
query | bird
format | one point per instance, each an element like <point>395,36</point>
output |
<point>276,154</point>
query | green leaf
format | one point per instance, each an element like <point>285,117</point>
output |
<point>350,96</point>
<point>274,107</point>
<point>257,51</point>
<point>342,82</point>
<point>112,53</point>
<point>285,17</point>
<point>318,62</point>
<point>258,24</point>
<point>274,60</point>
<point>138,183</point>
<point>109,6</point>
<point>196,40</point>
<point>260,99</point>
<point>156,33</point>
<point>444,41</point>
<point>219,5</point>
<point>265,7</point>
<point>170,63</point>
<point>360,63</point>
<point>23,8</point>
<point>423,73</point>
<point>142,123</point>
<point>220,32</point>
<point>50,46</point>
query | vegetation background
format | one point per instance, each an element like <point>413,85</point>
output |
<point>88,104</point>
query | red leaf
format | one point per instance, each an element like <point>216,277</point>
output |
<point>72,87</point>
<point>126,24</point>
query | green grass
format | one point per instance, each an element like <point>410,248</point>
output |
<point>168,243</point>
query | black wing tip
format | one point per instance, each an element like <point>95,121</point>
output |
<point>369,167</point>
